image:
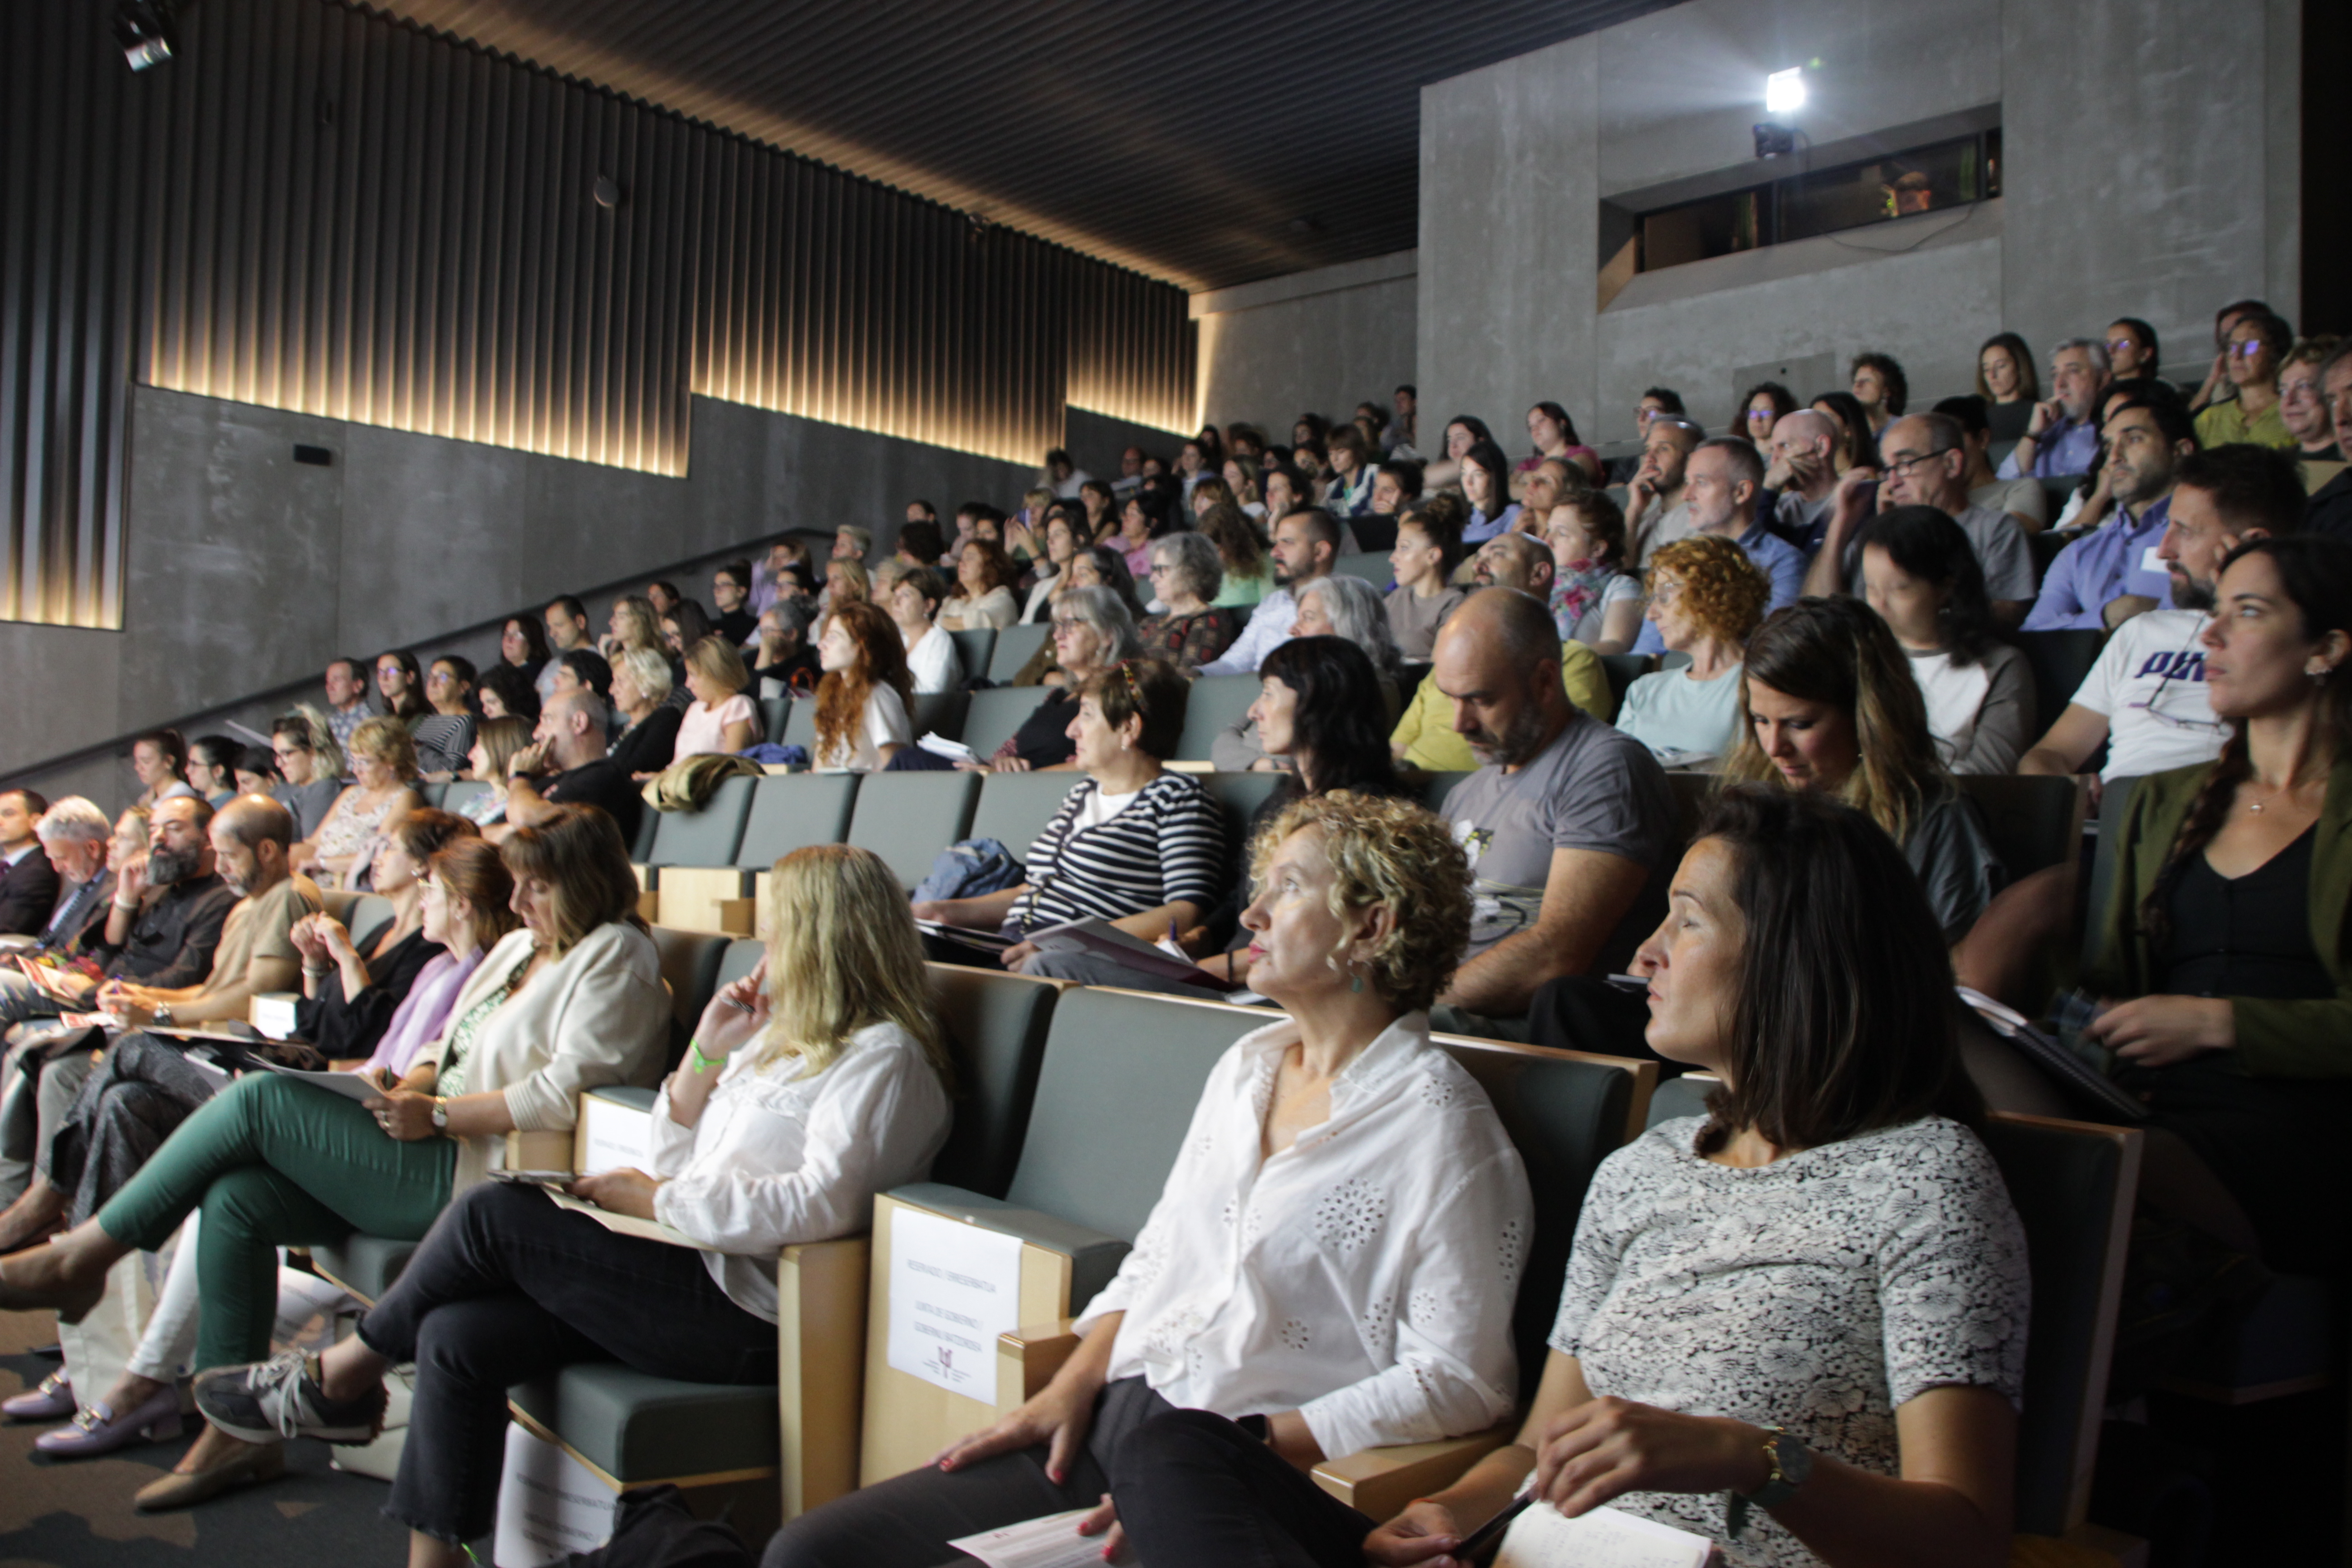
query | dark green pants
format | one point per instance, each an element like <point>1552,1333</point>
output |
<point>274,1163</point>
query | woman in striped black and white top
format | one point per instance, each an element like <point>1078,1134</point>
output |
<point>1134,844</point>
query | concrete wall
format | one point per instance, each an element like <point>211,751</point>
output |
<point>2150,151</point>
<point>248,571</point>
<point>1319,342</point>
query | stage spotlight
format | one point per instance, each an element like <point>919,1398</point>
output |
<point>147,30</point>
<point>1784,91</point>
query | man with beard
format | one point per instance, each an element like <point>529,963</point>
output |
<point>247,844</point>
<point>1305,544</point>
<point>2062,436</point>
<point>2112,572</point>
<point>2146,697</point>
<point>1566,822</point>
<point>165,925</point>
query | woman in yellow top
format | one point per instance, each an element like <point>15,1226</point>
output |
<point>2258,348</point>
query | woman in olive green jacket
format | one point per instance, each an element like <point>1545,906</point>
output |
<point>2224,949</point>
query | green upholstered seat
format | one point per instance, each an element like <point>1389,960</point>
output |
<point>907,818</point>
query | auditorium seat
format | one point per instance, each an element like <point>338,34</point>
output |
<point>1240,794</point>
<point>1624,669</point>
<point>994,715</point>
<point>1436,787</point>
<point>1016,807</point>
<point>940,713</point>
<point>431,793</point>
<point>1565,1111</point>
<point>1372,566</point>
<point>690,967</point>
<point>2059,660</point>
<point>774,711</point>
<point>1016,645</point>
<point>800,727</point>
<point>907,818</point>
<point>459,792</point>
<point>974,645</point>
<point>2034,823</point>
<point>705,838</point>
<point>789,812</point>
<point>359,912</point>
<point>1217,700</point>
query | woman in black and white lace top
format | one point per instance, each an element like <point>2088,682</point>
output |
<point>1796,1326</point>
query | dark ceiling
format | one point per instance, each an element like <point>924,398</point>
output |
<point>1205,141</point>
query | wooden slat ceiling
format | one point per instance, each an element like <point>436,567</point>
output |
<point>1208,143</point>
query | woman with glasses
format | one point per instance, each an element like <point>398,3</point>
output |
<point>2221,955</point>
<point>2132,357</point>
<point>1761,408</point>
<point>383,767</point>
<point>445,735</point>
<point>1092,631</point>
<point>1186,574</point>
<point>2008,382</point>
<point>2257,348</point>
<point>2303,404</point>
<point>311,766</point>
<point>401,683</point>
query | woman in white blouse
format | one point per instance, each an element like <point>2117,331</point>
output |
<point>983,597</point>
<point>1795,1326</point>
<point>796,1102</point>
<point>1334,1256</point>
<point>913,596</point>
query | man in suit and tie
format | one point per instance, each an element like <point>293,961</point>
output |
<point>28,883</point>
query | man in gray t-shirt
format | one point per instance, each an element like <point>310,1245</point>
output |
<point>1566,823</point>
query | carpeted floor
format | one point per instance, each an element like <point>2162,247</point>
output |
<point>78,1514</point>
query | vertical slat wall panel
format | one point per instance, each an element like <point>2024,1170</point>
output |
<point>336,172</point>
<point>315,208</point>
<point>1134,351</point>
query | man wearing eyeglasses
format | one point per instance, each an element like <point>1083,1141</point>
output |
<point>2146,696</point>
<point>2330,511</point>
<point>2063,437</point>
<point>1926,464</point>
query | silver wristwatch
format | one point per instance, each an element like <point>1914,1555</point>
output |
<point>162,1015</point>
<point>1790,1463</point>
<point>440,1113</point>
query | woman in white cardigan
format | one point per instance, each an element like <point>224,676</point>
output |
<point>779,1127</point>
<point>1333,1258</point>
<point>572,1001</point>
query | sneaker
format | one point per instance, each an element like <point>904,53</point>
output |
<point>266,1401</point>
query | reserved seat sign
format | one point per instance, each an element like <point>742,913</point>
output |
<point>954,1288</point>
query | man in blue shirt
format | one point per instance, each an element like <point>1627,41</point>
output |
<point>1721,483</point>
<point>2063,437</point>
<point>2112,572</point>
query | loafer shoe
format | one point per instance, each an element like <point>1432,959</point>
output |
<point>52,1401</point>
<point>264,1401</point>
<point>98,1430</point>
<point>247,1468</point>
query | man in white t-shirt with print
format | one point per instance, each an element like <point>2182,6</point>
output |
<point>2147,698</point>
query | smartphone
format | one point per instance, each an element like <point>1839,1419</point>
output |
<point>536,1178</point>
<point>1481,1546</point>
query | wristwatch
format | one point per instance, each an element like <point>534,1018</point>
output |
<point>162,1015</point>
<point>440,1113</point>
<point>1790,1463</point>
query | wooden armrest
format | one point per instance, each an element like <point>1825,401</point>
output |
<point>1028,1357</point>
<point>1378,1482</point>
<point>543,1151</point>
<point>821,1366</point>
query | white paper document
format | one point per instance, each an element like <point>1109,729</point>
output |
<point>613,1136</point>
<point>1544,1538</point>
<point>1053,1542</point>
<point>953,1289</point>
<point>349,1085</point>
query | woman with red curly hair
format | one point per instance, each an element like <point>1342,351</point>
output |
<point>1705,598</point>
<point>862,702</point>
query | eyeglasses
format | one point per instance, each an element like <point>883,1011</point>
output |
<point>1065,623</point>
<point>2117,345</point>
<point>1904,465</point>
<point>1156,568</point>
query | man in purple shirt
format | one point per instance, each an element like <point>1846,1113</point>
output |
<point>2063,437</point>
<point>2111,574</point>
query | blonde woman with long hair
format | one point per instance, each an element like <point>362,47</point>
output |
<point>795,1104</point>
<point>1831,709</point>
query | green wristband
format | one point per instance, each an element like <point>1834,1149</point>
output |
<point>703,1063</point>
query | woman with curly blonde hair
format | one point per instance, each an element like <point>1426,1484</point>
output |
<point>1341,1176</point>
<point>1705,598</point>
<point>1831,709</point>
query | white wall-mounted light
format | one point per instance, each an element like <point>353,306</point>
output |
<point>1784,91</point>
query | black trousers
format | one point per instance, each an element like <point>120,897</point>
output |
<point>908,1521</point>
<point>506,1287</point>
<point>1196,1491</point>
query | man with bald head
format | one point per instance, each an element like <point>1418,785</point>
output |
<point>567,763</point>
<point>1518,561</point>
<point>1566,821</point>
<point>1803,475</point>
<point>1926,460</point>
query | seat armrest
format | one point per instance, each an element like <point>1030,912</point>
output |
<point>1094,1256</point>
<point>1378,1482</point>
<point>821,1366</point>
<point>1028,1357</point>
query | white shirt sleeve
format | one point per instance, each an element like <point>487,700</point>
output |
<point>886,723</point>
<point>1269,628</point>
<point>879,1116</point>
<point>2102,690</point>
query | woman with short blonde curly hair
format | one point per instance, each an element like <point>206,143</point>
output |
<point>1706,598</point>
<point>1345,1184</point>
<point>383,762</point>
